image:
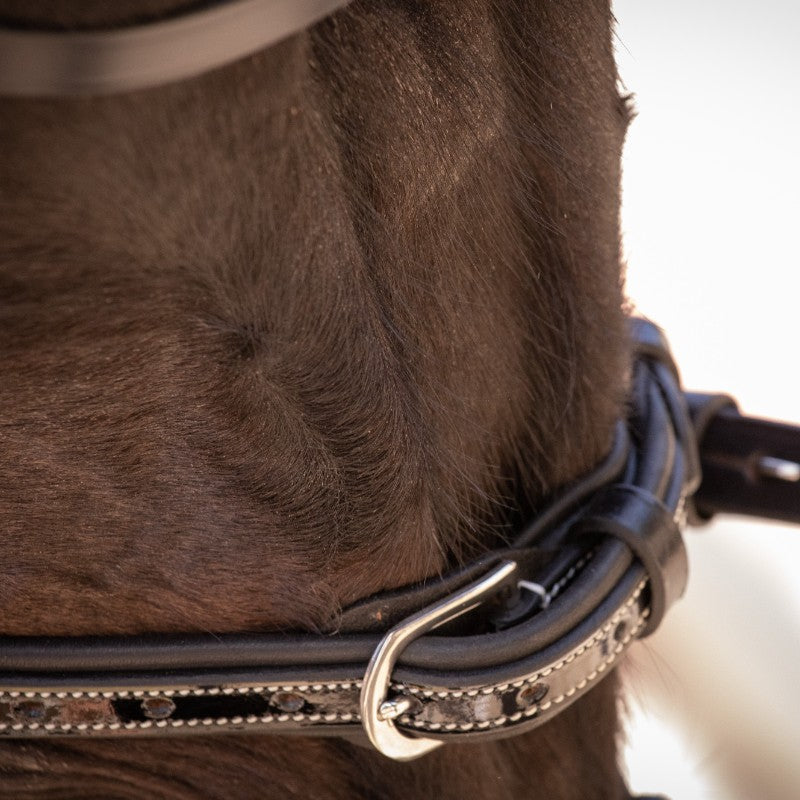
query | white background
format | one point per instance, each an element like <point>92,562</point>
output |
<point>711,219</point>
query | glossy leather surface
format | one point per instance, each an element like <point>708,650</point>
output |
<point>607,552</point>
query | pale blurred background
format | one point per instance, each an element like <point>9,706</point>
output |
<point>711,222</point>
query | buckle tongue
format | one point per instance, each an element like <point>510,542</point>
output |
<point>378,712</point>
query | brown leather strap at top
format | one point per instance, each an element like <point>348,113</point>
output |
<point>52,63</point>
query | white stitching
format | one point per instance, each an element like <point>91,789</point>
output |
<point>594,640</point>
<point>198,692</point>
<point>331,717</point>
<point>536,709</point>
<point>560,584</point>
<point>177,723</point>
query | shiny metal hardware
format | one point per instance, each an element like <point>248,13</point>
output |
<point>378,711</point>
<point>779,469</point>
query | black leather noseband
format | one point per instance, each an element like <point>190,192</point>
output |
<point>547,617</point>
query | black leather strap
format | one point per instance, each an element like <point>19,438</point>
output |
<point>645,525</point>
<point>595,570</point>
<point>742,459</point>
<point>512,664</point>
<point>462,705</point>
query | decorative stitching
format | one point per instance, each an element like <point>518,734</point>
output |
<point>312,717</point>
<point>198,692</point>
<point>341,717</point>
<point>189,723</point>
<point>562,582</point>
<point>538,708</point>
<point>592,641</point>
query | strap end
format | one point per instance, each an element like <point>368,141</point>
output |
<point>750,466</point>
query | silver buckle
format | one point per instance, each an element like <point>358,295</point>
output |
<point>377,711</point>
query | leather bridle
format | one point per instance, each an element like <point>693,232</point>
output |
<point>520,633</point>
<point>54,63</point>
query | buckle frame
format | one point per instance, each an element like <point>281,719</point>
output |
<point>377,711</point>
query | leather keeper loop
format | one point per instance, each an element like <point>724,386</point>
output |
<point>704,407</point>
<point>649,342</point>
<point>643,523</point>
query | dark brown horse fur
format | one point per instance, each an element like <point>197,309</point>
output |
<point>299,330</point>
